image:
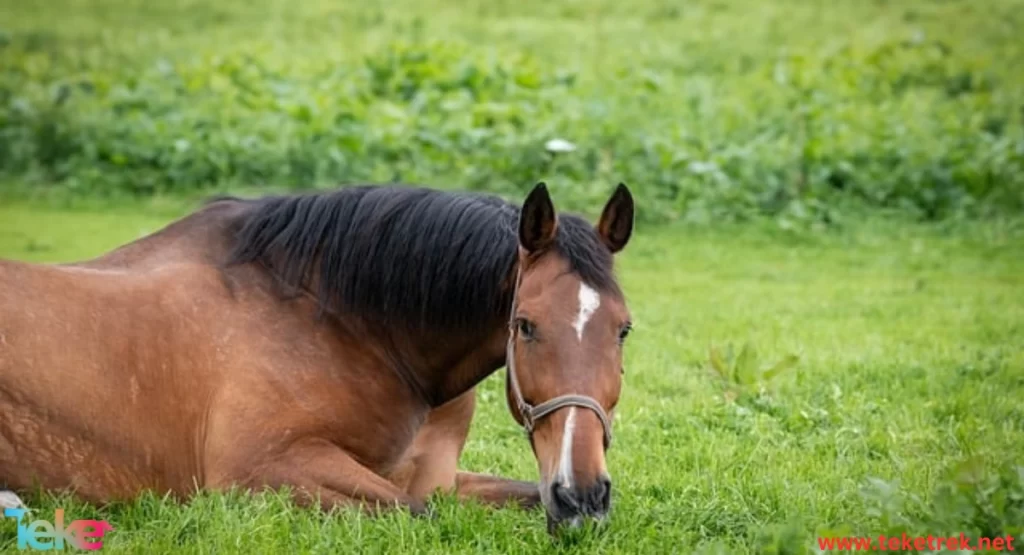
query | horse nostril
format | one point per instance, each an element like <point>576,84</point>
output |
<point>601,495</point>
<point>564,498</point>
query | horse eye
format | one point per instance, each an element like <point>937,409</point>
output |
<point>526,328</point>
<point>624,333</point>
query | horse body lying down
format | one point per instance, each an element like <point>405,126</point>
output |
<point>329,343</point>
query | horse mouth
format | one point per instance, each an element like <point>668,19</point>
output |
<point>575,524</point>
<point>572,523</point>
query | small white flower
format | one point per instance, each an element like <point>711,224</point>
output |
<point>702,167</point>
<point>559,145</point>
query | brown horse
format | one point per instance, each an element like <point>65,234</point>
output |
<point>328,343</point>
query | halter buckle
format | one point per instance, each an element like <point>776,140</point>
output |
<point>527,415</point>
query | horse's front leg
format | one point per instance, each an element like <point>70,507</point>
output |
<point>495,490</point>
<point>317,471</point>
<point>432,461</point>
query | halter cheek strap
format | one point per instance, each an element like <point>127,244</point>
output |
<point>530,414</point>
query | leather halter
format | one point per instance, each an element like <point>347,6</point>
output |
<point>533,413</point>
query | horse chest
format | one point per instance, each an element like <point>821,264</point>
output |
<point>380,440</point>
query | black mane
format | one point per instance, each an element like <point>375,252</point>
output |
<point>404,255</point>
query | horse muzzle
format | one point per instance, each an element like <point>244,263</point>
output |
<point>568,506</point>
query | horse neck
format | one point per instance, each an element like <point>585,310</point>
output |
<point>470,358</point>
<point>475,363</point>
<point>436,364</point>
<point>440,366</point>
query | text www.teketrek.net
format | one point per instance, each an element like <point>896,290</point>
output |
<point>915,543</point>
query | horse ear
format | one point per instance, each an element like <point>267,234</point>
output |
<point>616,223</point>
<point>537,221</point>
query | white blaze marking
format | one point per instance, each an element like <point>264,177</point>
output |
<point>564,475</point>
<point>589,301</point>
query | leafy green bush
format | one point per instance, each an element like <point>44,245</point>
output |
<point>903,123</point>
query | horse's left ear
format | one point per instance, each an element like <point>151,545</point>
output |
<point>616,224</point>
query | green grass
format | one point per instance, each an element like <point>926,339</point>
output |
<point>902,412</point>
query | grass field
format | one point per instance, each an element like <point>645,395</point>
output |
<point>902,412</point>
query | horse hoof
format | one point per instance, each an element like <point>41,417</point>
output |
<point>423,510</point>
<point>9,500</point>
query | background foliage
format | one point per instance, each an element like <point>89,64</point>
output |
<point>710,110</point>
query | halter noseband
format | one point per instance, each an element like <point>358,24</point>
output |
<point>530,413</point>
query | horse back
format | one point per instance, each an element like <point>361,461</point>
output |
<point>200,237</point>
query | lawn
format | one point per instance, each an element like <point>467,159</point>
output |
<point>901,413</point>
